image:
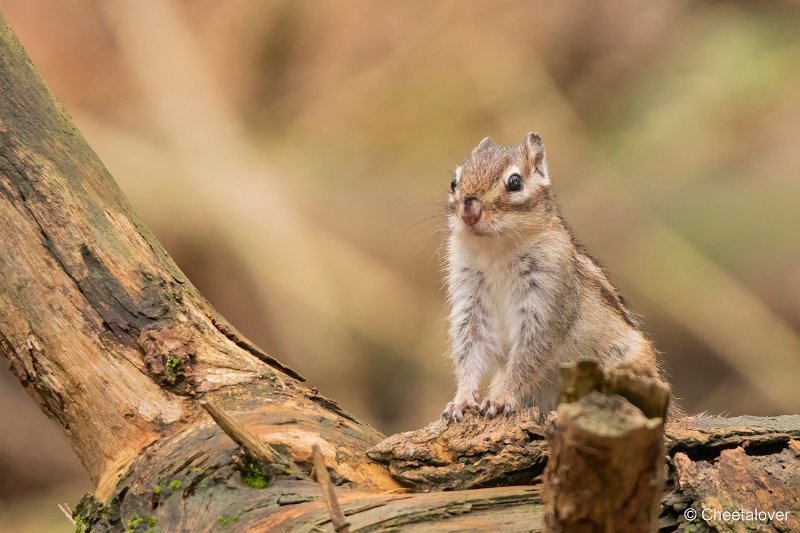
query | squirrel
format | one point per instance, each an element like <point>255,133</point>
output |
<point>523,293</point>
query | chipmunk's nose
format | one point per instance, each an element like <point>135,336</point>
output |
<point>472,210</point>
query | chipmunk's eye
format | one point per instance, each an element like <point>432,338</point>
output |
<point>514,183</point>
<point>453,184</point>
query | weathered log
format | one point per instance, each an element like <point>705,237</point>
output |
<point>442,456</point>
<point>117,347</point>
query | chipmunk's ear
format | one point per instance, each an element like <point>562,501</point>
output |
<point>485,142</point>
<point>533,148</point>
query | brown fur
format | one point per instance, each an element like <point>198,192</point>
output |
<point>523,290</point>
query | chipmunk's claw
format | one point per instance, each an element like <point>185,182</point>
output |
<point>454,411</point>
<point>492,408</point>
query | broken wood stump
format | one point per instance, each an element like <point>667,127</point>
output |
<point>607,457</point>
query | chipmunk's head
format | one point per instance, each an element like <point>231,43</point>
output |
<point>500,190</point>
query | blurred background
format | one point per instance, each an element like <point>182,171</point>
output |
<point>294,158</point>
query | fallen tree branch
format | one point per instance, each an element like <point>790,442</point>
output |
<point>243,436</point>
<point>340,524</point>
<point>477,452</point>
<point>436,457</point>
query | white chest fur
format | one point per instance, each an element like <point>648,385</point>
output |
<point>503,305</point>
<point>506,288</point>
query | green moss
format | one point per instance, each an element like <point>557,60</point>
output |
<point>81,525</point>
<point>157,490</point>
<point>133,523</point>
<point>175,484</point>
<point>173,363</point>
<point>253,476</point>
<point>226,520</point>
<point>256,482</point>
<point>151,524</point>
<point>88,512</point>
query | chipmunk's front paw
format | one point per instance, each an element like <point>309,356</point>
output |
<point>491,408</point>
<point>454,411</point>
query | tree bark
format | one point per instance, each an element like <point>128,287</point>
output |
<point>117,347</point>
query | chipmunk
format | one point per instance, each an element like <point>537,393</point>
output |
<point>524,294</point>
